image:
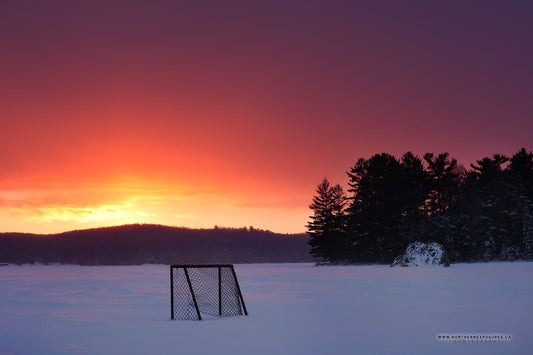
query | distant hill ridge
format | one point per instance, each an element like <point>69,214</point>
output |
<point>136,244</point>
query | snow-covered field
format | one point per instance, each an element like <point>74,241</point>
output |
<point>294,309</point>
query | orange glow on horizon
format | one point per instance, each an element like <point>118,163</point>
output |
<point>55,210</point>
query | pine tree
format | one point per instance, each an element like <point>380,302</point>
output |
<point>490,217</point>
<point>377,209</point>
<point>527,231</point>
<point>521,179</point>
<point>327,226</point>
<point>444,182</point>
<point>415,186</point>
<point>521,173</point>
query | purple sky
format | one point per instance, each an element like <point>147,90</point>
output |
<point>243,106</point>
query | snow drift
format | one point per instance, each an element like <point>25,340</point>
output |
<point>422,254</point>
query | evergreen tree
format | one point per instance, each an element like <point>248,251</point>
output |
<point>327,226</point>
<point>378,206</point>
<point>527,240</point>
<point>490,219</point>
<point>521,166</point>
<point>521,178</point>
<point>415,187</point>
<point>444,182</point>
<point>521,173</point>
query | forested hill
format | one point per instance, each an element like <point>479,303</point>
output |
<point>155,244</point>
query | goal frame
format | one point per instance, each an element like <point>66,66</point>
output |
<point>185,268</point>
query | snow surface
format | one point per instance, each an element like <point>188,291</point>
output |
<point>294,309</point>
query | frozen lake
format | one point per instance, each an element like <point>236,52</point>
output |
<point>294,309</point>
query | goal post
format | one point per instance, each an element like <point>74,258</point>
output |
<point>205,289</point>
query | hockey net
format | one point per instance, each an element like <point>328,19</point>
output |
<point>198,290</point>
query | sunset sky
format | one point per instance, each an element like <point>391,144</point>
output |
<point>230,113</point>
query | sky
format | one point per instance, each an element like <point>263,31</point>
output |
<point>230,113</point>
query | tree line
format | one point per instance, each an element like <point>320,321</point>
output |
<point>154,244</point>
<point>481,213</point>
